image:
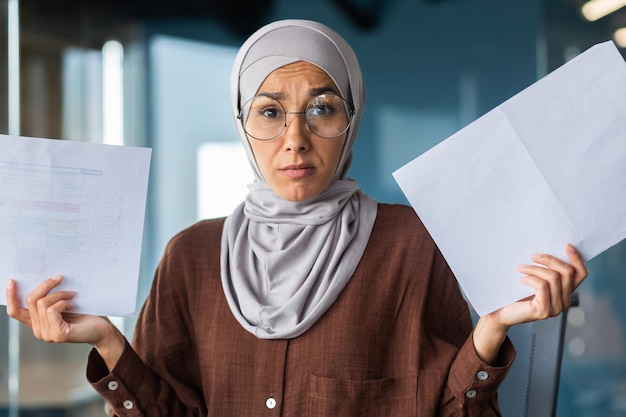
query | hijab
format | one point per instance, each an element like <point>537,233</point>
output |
<point>284,263</point>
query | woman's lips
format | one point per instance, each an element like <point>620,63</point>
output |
<point>297,171</point>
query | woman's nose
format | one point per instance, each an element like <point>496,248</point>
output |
<point>296,133</point>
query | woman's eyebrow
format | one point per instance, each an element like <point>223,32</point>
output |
<point>316,91</point>
<point>321,90</point>
<point>277,96</point>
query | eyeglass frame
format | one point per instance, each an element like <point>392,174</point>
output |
<point>350,114</point>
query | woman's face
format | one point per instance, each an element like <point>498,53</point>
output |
<point>297,164</point>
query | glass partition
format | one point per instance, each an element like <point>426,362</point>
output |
<point>52,87</point>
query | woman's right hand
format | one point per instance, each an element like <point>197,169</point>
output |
<point>50,318</point>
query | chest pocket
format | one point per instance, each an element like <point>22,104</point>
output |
<point>388,397</point>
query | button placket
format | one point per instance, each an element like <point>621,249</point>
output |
<point>273,391</point>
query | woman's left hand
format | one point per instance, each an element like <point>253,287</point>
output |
<point>554,282</point>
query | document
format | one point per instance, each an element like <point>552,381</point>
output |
<point>544,168</point>
<point>73,209</point>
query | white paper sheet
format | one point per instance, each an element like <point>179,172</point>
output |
<point>546,167</point>
<point>74,209</point>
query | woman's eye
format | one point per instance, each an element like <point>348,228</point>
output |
<point>270,112</point>
<point>322,109</point>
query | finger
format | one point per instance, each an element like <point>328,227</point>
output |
<point>572,274</point>
<point>14,307</point>
<point>542,303</point>
<point>32,301</point>
<point>48,306</point>
<point>44,288</point>
<point>578,263</point>
<point>40,291</point>
<point>551,283</point>
<point>565,269</point>
<point>58,327</point>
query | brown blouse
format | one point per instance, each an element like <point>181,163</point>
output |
<point>397,342</point>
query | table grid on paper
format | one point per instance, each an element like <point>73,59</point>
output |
<point>47,215</point>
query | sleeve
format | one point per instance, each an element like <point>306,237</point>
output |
<point>158,375</point>
<point>471,386</point>
<point>472,383</point>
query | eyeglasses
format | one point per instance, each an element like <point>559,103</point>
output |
<point>327,116</point>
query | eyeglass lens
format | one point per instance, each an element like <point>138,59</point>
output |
<point>326,115</point>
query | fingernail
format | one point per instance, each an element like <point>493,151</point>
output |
<point>10,284</point>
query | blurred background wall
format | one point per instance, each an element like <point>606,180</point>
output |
<point>430,67</point>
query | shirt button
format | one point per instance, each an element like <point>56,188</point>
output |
<point>270,403</point>
<point>128,404</point>
<point>112,385</point>
<point>482,375</point>
<point>471,393</point>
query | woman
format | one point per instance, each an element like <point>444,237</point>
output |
<point>311,299</point>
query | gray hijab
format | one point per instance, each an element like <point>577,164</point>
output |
<point>284,263</point>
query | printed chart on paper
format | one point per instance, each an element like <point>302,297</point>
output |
<point>48,219</point>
